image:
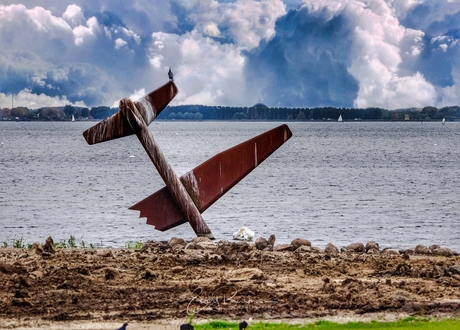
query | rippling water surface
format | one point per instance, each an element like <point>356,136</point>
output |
<point>395,183</point>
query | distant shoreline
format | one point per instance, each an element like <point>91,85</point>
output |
<point>257,112</point>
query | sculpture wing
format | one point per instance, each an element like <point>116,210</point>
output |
<point>210,180</point>
<point>117,126</point>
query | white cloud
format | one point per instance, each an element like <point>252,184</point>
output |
<point>82,35</point>
<point>377,58</point>
<point>206,71</point>
<point>26,98</point>
<point>402,6</point>
<point>73,15</point>
<point>211,29</point>
<point>120,43</point>
<point>246,22</point>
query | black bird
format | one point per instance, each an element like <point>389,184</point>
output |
<point>243,325</point>
<point>170,74</point>
<point>186,327</point>
<point>123,327</point>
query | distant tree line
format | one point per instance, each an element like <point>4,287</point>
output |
<point>56,113</point>
<point>256,112</point>
<point>262,112</point>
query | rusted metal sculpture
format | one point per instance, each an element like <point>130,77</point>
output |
<point>185,198</point>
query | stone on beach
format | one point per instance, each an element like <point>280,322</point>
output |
<point>354,247</point>
<point>372,245</point>
<point>422,249</point>
<point>176,241</point>
<point>445,252</point>
<point>297,242</point>
<point>331,249</point>
<point>261,243</point>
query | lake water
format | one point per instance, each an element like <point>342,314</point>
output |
<point>393,182</point>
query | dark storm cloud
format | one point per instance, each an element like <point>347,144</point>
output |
<point>306,63</point>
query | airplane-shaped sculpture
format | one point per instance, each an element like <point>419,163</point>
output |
<point>185,198</point>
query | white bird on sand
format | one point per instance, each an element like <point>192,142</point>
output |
<point>244,234</point>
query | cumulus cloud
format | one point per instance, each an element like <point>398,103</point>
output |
<point>73,15</point>
<point>377,60</point>
<point>244,22</point>
<point>342,53</point>
<point>211,72</point>
<point>362,53</point>
<point>33,100</point>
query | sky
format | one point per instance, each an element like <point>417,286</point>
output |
<point>292,53</point>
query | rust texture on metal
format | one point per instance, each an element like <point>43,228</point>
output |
<point>116,126</point>
<point>175,187</point>
<point>185,198</point>
<point>210,180</point>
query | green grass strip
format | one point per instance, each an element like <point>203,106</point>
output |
<point>408,323</point>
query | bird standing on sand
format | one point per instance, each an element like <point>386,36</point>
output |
<point>243,325</point>
<point>170,74</point>
<point>123,327</point>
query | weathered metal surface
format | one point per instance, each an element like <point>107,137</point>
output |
<point>116,126</point>
<point>183,199</point>
<point>212,179</point>
<point>175,187</point>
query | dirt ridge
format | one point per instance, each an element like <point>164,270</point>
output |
<point>169,280</point>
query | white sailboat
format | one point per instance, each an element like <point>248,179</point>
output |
<point>340,119</point>
<point>443,121</point>
<point>73,118</point>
